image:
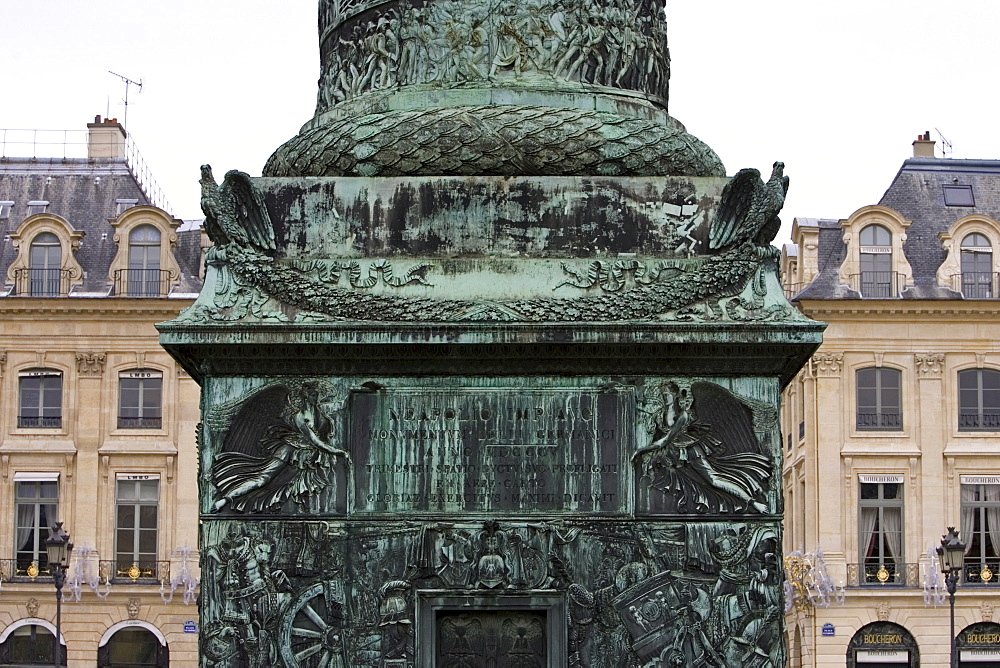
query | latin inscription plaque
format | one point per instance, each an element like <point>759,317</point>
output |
<point>431,450</point>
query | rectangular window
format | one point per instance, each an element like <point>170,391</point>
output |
<point>5,207</point>
<point>136,523</point>
<point>123,205</point>
<point>959,196</point>
<point>40,400</point>
<point>37,206</point>
<point>139,399</point>
<point>879,405</point>
<point>36,503</point>
<point>881,529</point>
<point>981,528</point>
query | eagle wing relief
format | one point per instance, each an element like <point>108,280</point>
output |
<point>704,455</point>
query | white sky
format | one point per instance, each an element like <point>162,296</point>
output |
<point>837,90</point>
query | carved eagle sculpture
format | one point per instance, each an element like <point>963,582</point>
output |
<point>234,212</point>
<point>749,209</point>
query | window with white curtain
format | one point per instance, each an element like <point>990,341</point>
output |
<point>980,528</point>
<point>36,506</point>
<point>881,529</point>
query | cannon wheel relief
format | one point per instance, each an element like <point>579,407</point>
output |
<point>312,628</point>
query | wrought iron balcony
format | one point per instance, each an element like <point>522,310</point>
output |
<point>985,573</point>
<point>983,421</point>
<point>21,570</point>
<point>141,282</point>
<point>884,421</point>
<point>885,574</point>
<point>134,572</point>
<point>878,284</point>
<point>41,282</point>
<point>977,284</point>
<point>39,422</point>
<point>140,422</point>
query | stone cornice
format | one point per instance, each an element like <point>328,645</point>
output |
<point>856,308</point>
<point>27,306</point>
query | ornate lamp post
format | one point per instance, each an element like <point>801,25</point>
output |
<point>59,551</point>
<point>952,556</point>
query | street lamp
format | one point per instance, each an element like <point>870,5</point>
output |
<point>952,557</point>
<point>59,551</point>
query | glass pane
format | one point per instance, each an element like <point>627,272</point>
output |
<point>149,490</point>
<point>875,235</point>
<point>891,490</point>
<point>126,544</point>
<point>147,517</point>
<point>126,492</point>
<point>126,515</point>
<point>147,543</point>
<point>869,490</point>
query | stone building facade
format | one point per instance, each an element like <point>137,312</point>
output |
<point>891,431</point>
<point>97,422</point>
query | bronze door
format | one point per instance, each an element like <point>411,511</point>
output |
<point>491,639</point>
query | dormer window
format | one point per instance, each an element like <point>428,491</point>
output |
<point>959,196</point>
<point>45,267</point>
<point>5,207</point>
<point>878,280</point>
<point>144,275</point>
<point>977,267</point>
<point>37,206</point>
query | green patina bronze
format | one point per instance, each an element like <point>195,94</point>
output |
<point>491,360</point>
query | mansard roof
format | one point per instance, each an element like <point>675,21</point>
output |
<point>917,193</point>
<point>85,193</point>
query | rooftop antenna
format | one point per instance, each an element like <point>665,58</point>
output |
<point>946,148</point>
<point>128,82</point>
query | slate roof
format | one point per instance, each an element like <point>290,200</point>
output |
<point>84,192</point>
<point>917,193</point>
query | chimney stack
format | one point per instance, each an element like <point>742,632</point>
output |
<point>923,147</point>
<point>106,139</point>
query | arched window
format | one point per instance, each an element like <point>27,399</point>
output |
<point>144,262</point>
<point>977,267</point>
<point>133,647</point>
<point>979,400</point>
<point>879,406</point>
<point>878,280</point>
<point>30,645</point>
<point>45,266</point>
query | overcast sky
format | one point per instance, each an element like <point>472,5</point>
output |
<point>837,90</point>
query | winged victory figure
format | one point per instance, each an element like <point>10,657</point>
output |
<point>704,455</point>
<point>749,209</point>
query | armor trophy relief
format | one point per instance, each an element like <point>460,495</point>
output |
<point>490,359</point>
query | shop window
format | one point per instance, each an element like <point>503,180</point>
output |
<point>981,528</point>
<point>879,399</point>
<point>45,274</point>
<point>140,399</point>
<point>30,645</point>
<point>143,276</point>
<point>40,400</point>
<point>977,267</point>
<point>36,508</point>
<point>979,400</point>
<point>881,532</point>
<point>136,526</point>
<point>132,648</point>
<point>878,280</point>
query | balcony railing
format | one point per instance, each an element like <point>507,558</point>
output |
<point>982,573</point>
<point>880,421</point>
<point>140,422</point>
<point>135,572</point>
<point>977,284</point>
<point>878,284</point>
<point>979,422</point>
<point>39,422</point>
<point>141,282</point>
<point>874,574</point>
<point>21,570</point>
<point>41,282</point>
